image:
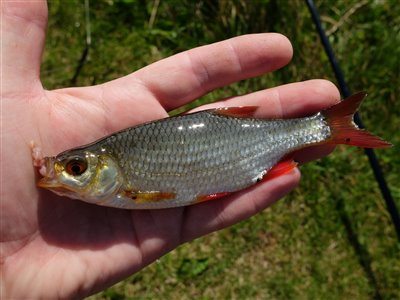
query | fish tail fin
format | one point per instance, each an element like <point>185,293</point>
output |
<point>344,130</point>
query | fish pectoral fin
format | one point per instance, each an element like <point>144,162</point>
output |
<point>281,168</point>
<point>147,196</point>
<point>203,198</point>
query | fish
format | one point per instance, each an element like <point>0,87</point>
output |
<point>196,157</point>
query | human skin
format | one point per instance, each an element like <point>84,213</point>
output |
<point>54,247</point>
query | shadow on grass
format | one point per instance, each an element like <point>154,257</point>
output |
<point>362,253</point>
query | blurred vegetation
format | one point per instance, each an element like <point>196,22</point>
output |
<point>332,237</point>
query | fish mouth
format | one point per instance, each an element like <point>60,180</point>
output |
<point>51,183</point>
<point>48,183</point>
<point>50,170</point>
<point>49,179</point>
<point>56,187</point>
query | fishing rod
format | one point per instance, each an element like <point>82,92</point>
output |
<point>379,176</point>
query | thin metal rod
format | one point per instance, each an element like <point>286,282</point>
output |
<point>380,178</point>
<point>88,42</point>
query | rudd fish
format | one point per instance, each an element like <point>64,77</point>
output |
<point>196,157</point>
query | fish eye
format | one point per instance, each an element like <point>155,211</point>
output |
<point>76,166</point>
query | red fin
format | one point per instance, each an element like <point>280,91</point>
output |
<point>237,112</point>
<point>281,168</point>
<point>204,198</point>
<point>344,130</point>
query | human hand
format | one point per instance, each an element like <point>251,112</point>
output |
<point>58,247</point>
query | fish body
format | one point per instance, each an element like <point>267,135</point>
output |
<point>191,158</point>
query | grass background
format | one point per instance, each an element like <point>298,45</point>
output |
<point>332,237</point>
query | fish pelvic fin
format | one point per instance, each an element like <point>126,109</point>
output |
<point>343,128</point>
<point>281,168</point>
<point>204,198</point>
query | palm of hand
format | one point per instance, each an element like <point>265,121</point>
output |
<point>79,247</point>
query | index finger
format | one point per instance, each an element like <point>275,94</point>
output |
<point>186,76</point>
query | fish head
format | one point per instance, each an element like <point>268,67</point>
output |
<point>81,174</point>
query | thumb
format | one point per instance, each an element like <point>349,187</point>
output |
<point>23,29</point>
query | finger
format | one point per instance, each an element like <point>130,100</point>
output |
<point>286,101</point>
<point>23,34</point>
<point>289,101</point>
<point>188,75</point>
<point>221,213</point>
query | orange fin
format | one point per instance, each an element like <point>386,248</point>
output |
<point>152,196</point>
<point>204,198</point>
<point>281,168</point>
<point>237,112</point>
<point>344,130</point>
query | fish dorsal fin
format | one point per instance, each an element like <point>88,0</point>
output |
<point>237,112</point>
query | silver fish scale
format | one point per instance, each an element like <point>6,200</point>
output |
<point>206,153</point>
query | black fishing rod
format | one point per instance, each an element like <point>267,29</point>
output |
<point>380,178</point>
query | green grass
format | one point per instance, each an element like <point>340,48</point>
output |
<point>331,238</point>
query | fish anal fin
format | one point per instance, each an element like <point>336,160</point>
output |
<point>281,168</point>
<point>237,112</point>
<point>150,196</point>
<point>203,198</point>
